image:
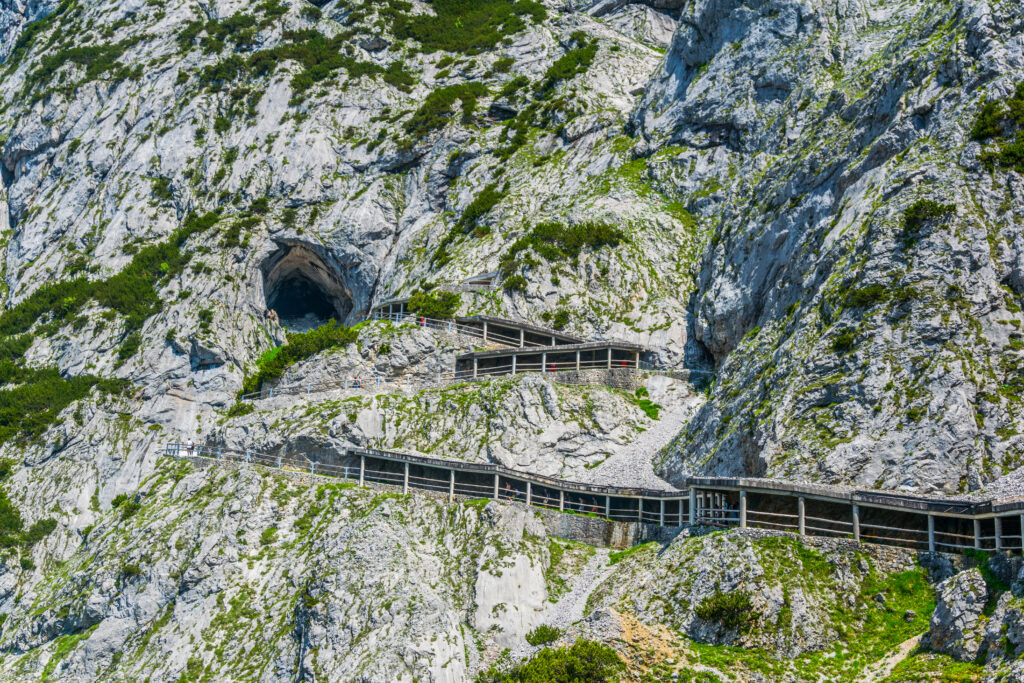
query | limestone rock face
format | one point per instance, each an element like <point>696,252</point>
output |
<point>728,183</point>
<point>955,626</point>
<point>847,349</point>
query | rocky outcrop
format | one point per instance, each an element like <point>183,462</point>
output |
<point>957,627</point>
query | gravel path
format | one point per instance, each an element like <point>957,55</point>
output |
<point>569,609</point>
<point>633,465</point>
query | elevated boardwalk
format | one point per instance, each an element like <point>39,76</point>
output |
<point>576,357</point>
<point>927,523</point>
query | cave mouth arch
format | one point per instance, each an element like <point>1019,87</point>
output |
<point>303,285</point>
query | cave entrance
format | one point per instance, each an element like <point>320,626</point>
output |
<point>303,285</point>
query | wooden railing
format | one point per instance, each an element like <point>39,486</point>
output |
<point>676,507</point>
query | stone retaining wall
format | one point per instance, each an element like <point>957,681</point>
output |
<point>627,379</point>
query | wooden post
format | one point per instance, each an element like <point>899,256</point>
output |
<point>529,493</point>
<point>577,360</point>
<point>522,337</point>
<point>661,513</point>
<point>553,343</point>
<point>513,363</point>
<point>608,507</point>
<point>362,468</point>
<point>931,533</point>
<point>640,510</point>
<point>405,479</point>
<point>495,487</point>
<point>693,507</point>
<point>609,358</point>
<point>544,362</point>
<point>743,509</point>
<point>977,533</point>
<point>561,501</point>
<point>800,507</point>
<point>485,330</point>
<point>998,521</point>
<point>636,359</point>
<point>476,364</point>
<point>451,486</point>
<point>856,523</point>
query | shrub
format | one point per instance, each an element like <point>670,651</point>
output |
<point>515,283</point>
<point>39,531</point>
<point>585,662</point>
<point>241,408</point>
<point>867,296</point>
<point>132,292</point>
<point>557,242</point>
<point>468,26</point>
<point>503,64</point>
<point>543,634</point>
<point>130,570</point>
<point>566,67</point>
<point>301,345</point>
<point>922,212</point>
<point>26,411</point>
<point>732,610</point>
<point>481,205</point>
<point>843,342</point>
<point>27,564</point>
<point>162,189</point>
<point>436,110</point>
<point>437,305</point>
<point>269,536</point>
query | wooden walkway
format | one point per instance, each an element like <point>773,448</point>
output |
<point>927,523</point>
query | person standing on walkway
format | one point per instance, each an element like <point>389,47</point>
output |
<point>190,447</point>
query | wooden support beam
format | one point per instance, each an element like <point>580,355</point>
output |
<point>743,509</point>
<point>931,533</point>
<point>609,358</point>
<point>577,360</point>
<point>608,507</point>
<point>856,523</point>
<point>977,533</point>
<point>476,365</point>
<point>485,330</point>
<point>801,512</point>
<point>405,479</point>
<point>496,487</point>
<point>561,501</point>
<point>451,486</point>
<point>544,362</point>
<point>661,513</point>
<point>529,494</point>
<point>522,337</point>
<point>362,468</point>
<point>998,522</point>
<point>640,510</point>
<point>514,363</point>
<point>693,507</point>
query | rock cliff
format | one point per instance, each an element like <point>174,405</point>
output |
<point>815,205</point>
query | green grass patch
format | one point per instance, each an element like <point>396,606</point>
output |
<point>923,667</point>
<point>619,556</point>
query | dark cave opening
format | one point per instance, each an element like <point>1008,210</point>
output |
<point>303,288</point>
<point>296,297</point>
